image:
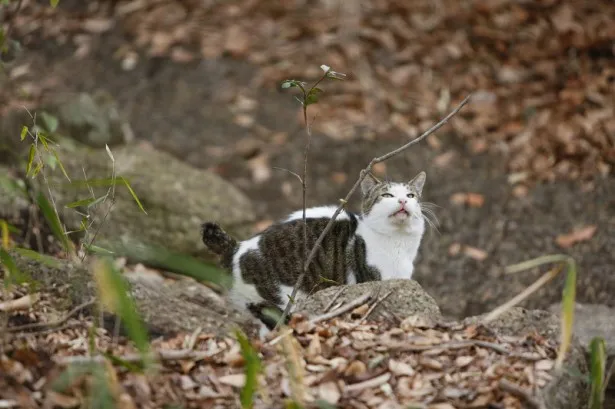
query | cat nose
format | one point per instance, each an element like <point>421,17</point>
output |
<point>402,201</point>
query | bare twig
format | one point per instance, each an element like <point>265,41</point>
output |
<point>370,383</point>
<point>289,171</point>
<point>334,299</point>
<point>344,201</point>
<point>45,325</point>
<point>521,393</point>
<point>405,347</point>
<point>22,303</point>
<point>374,305</point>
<point>343,309</point>
<point>544,279</point>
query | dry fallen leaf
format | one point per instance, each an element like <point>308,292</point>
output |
<point>576,235</point>
<point>475,253</point>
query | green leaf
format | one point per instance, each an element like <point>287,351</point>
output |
<point>116,360</point>
<point>99,250</point>
<point>132,192</point>
<point>30,159</point>
<point>288,84</point>
<point>115,296</point>
<point>313,96</point>
<point>252,370</point>
<point>160,257</point>
<point>50,121</point>
<point>6,239</point>
<point>37,169</point>
<point>36,256</point>
<point>568,303</point>
<point>54,3</point>
<point>24,132</point>
<point>597,372</point>
<point>15,276</point>
<point>53,221</point>
<point>42,136</point>
<point>55,154</point>
<point>84,202</point>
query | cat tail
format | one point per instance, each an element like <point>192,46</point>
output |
<point>217,240</point>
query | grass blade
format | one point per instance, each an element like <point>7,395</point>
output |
<point>597,368</point>
<point>84,202</point>
<point>132,192</point>
<point>6,238</point>
<point>55,154</point>
<point>252,370</point>
<point>36,256</point>
<point>568,301</point>
<point>30,159</point>
<point>13,274</point>
<point>54,222</point>
<point>115,296</point>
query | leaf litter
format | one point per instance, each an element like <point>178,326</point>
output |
<point>346,360</point>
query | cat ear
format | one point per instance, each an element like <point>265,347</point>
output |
<point>368,183</point>
<point>418,182</point>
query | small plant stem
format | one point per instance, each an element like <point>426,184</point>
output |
<point>344,201</point>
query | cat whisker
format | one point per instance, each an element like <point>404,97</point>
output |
<point>431,223</point>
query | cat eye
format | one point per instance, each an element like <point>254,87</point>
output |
<point>387,195</point>
<point>411,195</point>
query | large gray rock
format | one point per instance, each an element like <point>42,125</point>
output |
<point>177,197</point>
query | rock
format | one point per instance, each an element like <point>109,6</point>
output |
<point>408,298</point>
<point>93,119</point>
<point>178,198</point>
<point>567,389</point>
<point>166,308</point>
<point>592,320</point>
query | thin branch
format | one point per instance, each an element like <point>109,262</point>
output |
<point>289,171</point>
<point>344,201</point>
<point>334,299</point>
<point>521,393</point>
<point>45,325</point>
<point>343,309</point>
<point>373,307</point>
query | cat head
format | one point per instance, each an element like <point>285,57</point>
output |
<point>393,206</point>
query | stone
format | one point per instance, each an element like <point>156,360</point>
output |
<point>177,197</point>
<point>408,298</point>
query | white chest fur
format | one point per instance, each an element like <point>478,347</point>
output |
<point>392,254</point>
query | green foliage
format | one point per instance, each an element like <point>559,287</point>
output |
<point>160,257</point>
<point>311,96</point>
<point>54,222</point>
<point>36,256</point>
<point>113,291</point>
<point>252,370</point>
<point>568,296</point>
<point>597,372</point>
<point>13,275</point>
<point>54,3</point>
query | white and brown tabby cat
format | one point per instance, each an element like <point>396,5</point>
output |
<point>380,243</point>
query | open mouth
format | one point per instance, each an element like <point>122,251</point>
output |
<point>401,212</point>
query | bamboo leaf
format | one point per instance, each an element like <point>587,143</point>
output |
<point>568,301</point>
<point>36,256</point>
<point>55,154</point>
<point>115,296</point>
<point>6,239</point>
<point>252,370</point>
<point>597,372</point>
<point>30,159</point>
<point>53,221</point>
<point>24,132</point>
<point>37,169</point>
<point>134,195</point>
<point>15,275</point>
<point>54,3</point>
<point>84,202</point>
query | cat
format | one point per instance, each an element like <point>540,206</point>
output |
<point>380,243</point>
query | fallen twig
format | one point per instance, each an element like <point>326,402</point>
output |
<point>334,299</point>
<point>370,383</point>
<point>404,347</point>
<point>45,325</point>
<point>22,303</point>
<point>374,305</point>
<point>521,393</point>
<point>344,201</point>
<point>342,310</point>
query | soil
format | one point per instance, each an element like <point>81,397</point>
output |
<point>209,113</point>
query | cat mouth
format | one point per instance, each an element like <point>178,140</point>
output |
<point>401,212</point>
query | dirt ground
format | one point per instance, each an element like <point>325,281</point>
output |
<point>219,113</point>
